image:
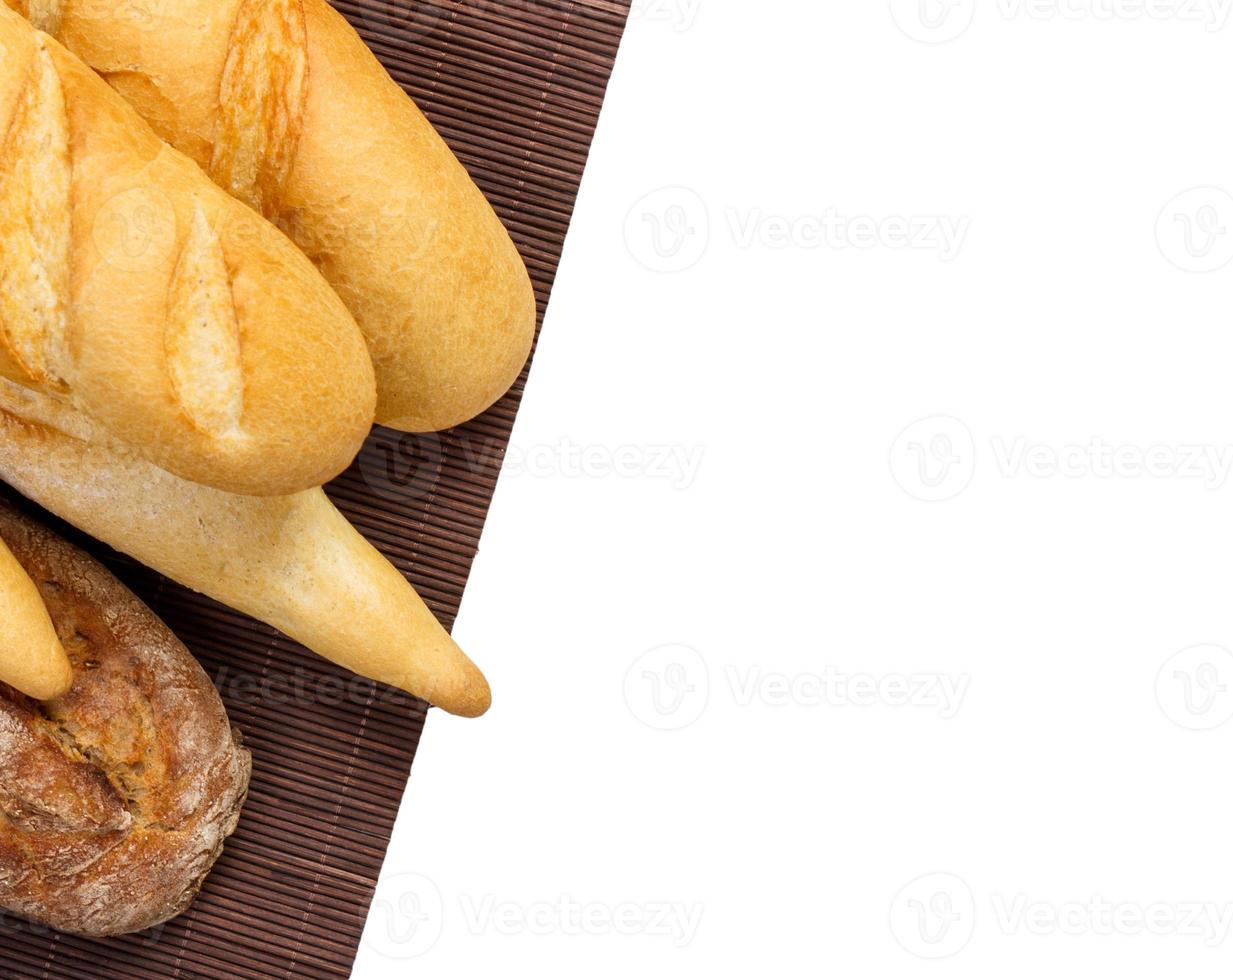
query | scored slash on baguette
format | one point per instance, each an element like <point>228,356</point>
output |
<point>43,14</point>
<point>35,229</point>
<point>293,562</point>
<point>261,103</point>
<point>203,338</point>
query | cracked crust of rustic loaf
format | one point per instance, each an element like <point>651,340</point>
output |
<point>116,798</point>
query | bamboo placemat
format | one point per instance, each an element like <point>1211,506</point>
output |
<point>515,87</point>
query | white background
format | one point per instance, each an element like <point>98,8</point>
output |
<point>728,459</point>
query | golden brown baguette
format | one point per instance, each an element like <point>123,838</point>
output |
<point>134,289</point>
<point>283,104</point>
<point>31,657</point>
<point>293,562</point>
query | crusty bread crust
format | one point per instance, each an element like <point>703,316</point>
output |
<point>116,797</point>
<point>133,288</point>
<point>284,105</point>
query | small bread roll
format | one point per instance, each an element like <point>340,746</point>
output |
<point>31,657</point>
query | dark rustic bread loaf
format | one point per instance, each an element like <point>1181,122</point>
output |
<point>115,799</point>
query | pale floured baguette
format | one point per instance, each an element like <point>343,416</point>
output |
<point>134,289</point>
<point>31,656</point>
<point>283,104</point>
<point>293,562</point>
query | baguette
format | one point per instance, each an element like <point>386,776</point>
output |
<point>31,657</point>
<point>133,289</point>
<point>281,102</point>
<point>293,562</point>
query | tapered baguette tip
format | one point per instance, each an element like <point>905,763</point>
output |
<point>46,689</point>
<point>469,697</point>
<point>476,703</point>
